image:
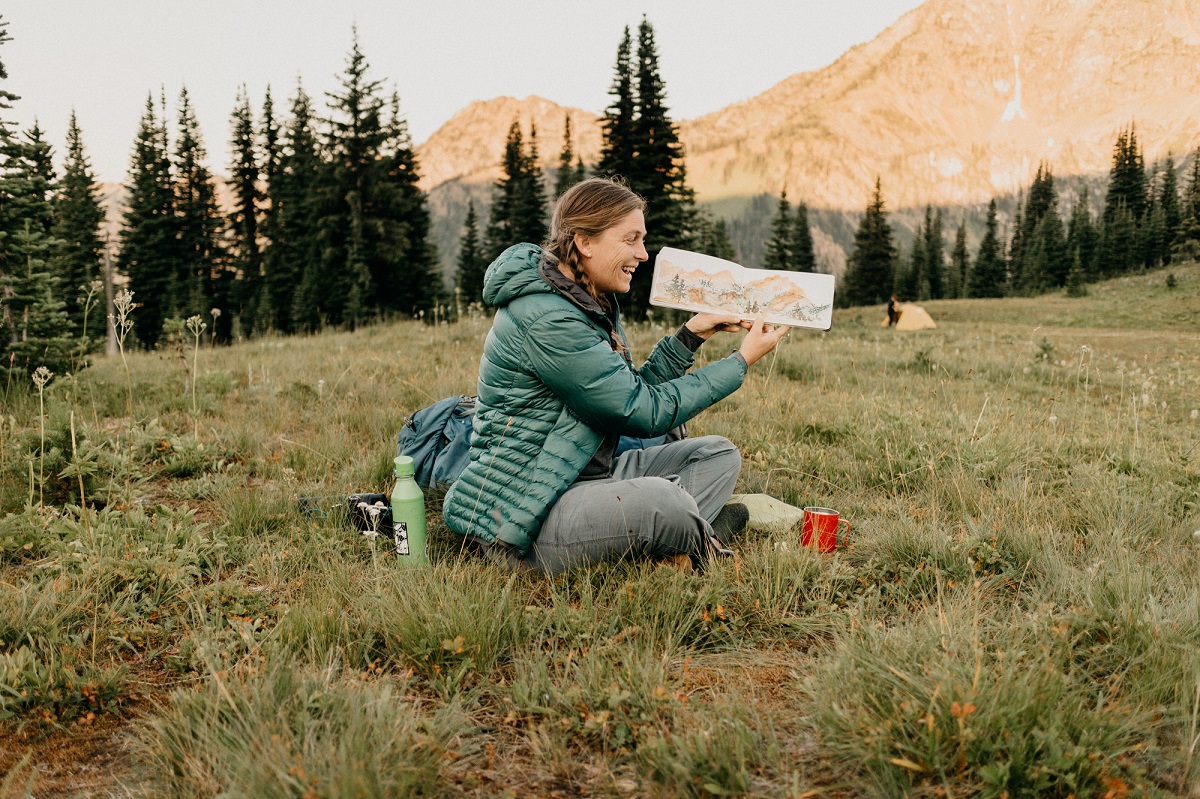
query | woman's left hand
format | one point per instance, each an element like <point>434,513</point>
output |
<point>705,324</point>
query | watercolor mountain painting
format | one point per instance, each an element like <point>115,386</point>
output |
<point>691,281</point>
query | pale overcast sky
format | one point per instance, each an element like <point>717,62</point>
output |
<point>103,57</point>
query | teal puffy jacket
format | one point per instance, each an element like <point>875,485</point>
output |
<point>551,386</point>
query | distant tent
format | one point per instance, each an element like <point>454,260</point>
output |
<point>912,317</point>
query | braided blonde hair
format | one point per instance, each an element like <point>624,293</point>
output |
<point>588,208</point>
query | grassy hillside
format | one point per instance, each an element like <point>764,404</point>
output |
<point>1017,612</point>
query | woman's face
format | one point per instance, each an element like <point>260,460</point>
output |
<point>610,259</point>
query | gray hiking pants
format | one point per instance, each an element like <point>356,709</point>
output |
<point>658,502</point>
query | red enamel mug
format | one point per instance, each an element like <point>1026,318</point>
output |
<point>820,529</point>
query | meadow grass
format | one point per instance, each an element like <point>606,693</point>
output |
<point>1017,612</point>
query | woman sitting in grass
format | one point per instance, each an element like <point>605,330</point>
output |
<point>545,488</point>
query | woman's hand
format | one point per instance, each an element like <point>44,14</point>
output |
<point>761,339</point>
<point>705,324</point>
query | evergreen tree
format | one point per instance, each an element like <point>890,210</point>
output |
<point>269,133</point>
<point>529,200</point>
<point>1118,242</point>
<point>35,327</point>
<point>935,255</point>
<point>987,278</point>
<point>658,172</point>
<point>243,184</point>
<point>1172,213</point>
<point>148,252</point>
<point>471,262</point>
<point>515,215</point>
<point>1016,247</point>
<point>712,236</point>
<point>617,154</point>
<point>567,174</point>
<point>202,278</point>
<point>1083,240</point>
<point>1124,206</point>
<point>31,161</point>
<point>292,256</point>
<point>411,280</point>
<point>868,278</point>
<point>960,264</point>
<point>1186,243</point>
<point>78,216</point>
<point>779,248</point>
<point>1126,178</point>
<point>1152,233</point>
<point>377,254</point>
<point>1076,282</point>
<point>804,258</point>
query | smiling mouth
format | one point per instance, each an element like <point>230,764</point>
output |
<point>629,270</point>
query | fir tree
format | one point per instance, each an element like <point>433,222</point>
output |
<point>503,225</point>
<point>987,278</point>
<point>617,153</point>
<point>529,201</point>
<point>914,281</point>
<point>202,278</point>
<point>243,182</point>
<point>1118,242</point>
<point>31,161</point>
<point>567,175</point>
<point>78,216</point>
<point>409,275</point>
<point>1076,283</point>
<point>148,252</point>
<point>868,278</point>
<point>1016,246</point>
<point>960,264</point>
<point>471,262</point>
<point>804,258</point>
<point>292,256</point>
<point>935,255</point>
<point>1172,213</point>
<point>1126,178</point>
<point>1186,243</point>
<point>711,236</point>
<point>377,255</point>
<point>779,247</point>
<point>35,327</point>
<point>1083,240</point>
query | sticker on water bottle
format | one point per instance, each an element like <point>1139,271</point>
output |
<point>400,534</point>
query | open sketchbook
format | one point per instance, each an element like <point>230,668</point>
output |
<point>694,282</point>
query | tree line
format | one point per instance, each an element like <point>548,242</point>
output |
<point>1146,221</point>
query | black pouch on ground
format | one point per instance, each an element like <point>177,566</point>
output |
<point>367,512</point>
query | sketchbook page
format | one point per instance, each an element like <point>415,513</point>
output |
<point>692,281</point>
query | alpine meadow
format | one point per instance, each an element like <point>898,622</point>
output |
<point>190,607</point>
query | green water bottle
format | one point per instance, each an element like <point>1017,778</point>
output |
<point>408,514</point>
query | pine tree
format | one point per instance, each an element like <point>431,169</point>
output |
<point>1083,240</point>
<point>804,258</point>
<point>203,280</point>
<point>292,256</point>
<point>1168,200</point>
<point>1049,269</point>
<point>868,278</point>
<point>935,255</point>
<point>503,226</point>
<point>617,154</point>
<point>1076,283</point>
<point>79,213</point>
<point>1186,244</point>
<point>1016,247</point>
<point>408,259</point>
<point>567,175</point>
<point>1118,242</point>
<point>32,162</point>
<point>529,200</point>
<point>1124,205</point>
<point>471,263</point>
<point>915,282</point>
<point>960,264</point>
<point>779,248</point>
<point>987,278</point>
<point>243,182</point>
<point>712,236</point>
<point>35,327</point>
<point>148,252</point>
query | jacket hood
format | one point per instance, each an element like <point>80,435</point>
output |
<point>514,274</point>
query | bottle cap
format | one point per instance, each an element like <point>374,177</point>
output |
<point>404,466</point>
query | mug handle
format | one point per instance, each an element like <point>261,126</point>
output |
<point>841,541</point>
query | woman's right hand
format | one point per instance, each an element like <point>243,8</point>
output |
<point>761,339</point>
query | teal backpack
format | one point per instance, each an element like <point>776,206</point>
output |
<point>438,439</point>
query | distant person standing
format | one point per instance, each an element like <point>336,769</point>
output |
<point>893,314</point>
